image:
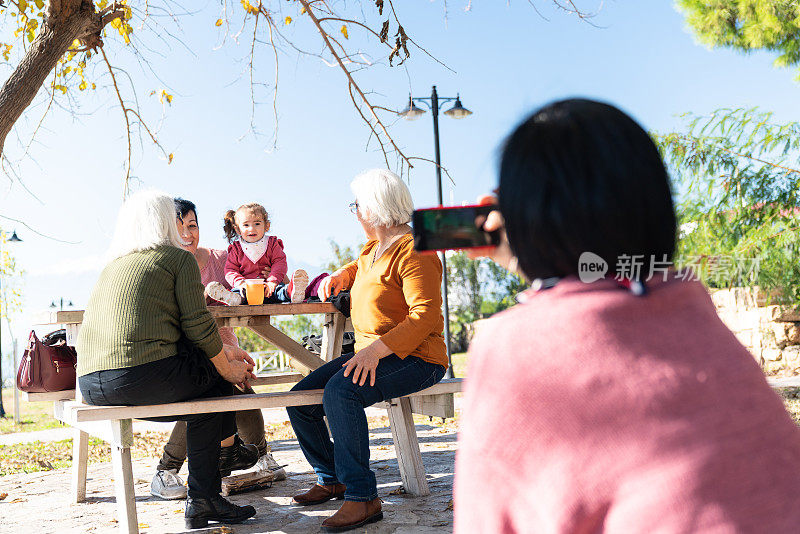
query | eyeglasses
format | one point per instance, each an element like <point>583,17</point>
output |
<point>353,207</point>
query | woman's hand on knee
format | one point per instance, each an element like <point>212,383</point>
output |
<point>332,285</point>
<point>365,362</point>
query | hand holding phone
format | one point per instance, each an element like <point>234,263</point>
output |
<point>460,227</point>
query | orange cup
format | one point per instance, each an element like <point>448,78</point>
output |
<point>255,290</point>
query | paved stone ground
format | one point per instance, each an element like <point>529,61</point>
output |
<point>38,503</point>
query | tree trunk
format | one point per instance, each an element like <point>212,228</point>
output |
<point>67,20</point>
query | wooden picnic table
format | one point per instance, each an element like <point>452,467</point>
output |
<point>113,423</point>
<point>257,319</point>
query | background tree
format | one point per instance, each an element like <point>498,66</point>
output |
<point>747,25</point>
<point>61,40</point>
<point>737,175</point>
<point>10,297</point>
<point>341,255</point>
<point>477,288</point>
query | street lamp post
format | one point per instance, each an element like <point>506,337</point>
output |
<point>60,304</point>
<point>412,112</point>
<point>12,239</point>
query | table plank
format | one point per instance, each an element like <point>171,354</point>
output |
<point>76,316</point>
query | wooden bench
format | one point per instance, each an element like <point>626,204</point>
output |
<point>113,424</point>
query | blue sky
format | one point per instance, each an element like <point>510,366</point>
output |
<point>507,60</point>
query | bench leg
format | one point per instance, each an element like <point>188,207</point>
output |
<point>332,336</point>
<point>406,446</point>
<point>123,477</point>
<point>80,456</point>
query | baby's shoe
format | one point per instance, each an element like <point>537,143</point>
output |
<point>297,286</point>
<point>217,291</point>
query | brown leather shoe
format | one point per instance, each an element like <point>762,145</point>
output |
<point>353,514</point>
<point>320,494</point>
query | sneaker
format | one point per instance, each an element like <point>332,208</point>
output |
<point>168,485</point>
<point>297,286</point>
<point>217,291</point>
<point>268,463</point>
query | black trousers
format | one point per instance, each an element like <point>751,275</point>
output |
<point>186,376</point>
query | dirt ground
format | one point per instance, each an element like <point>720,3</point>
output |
<point>38,503</point>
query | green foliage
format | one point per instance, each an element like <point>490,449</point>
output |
<point>476,289</point>
<point>22,19</point>
<point>747,25</point>
<point>294,326</point>
<point>738,178</point>
<point>341,255</point>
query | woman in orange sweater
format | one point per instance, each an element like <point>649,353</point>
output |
<point>396,309</point>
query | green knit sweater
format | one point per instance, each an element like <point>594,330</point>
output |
<point>138,309</point>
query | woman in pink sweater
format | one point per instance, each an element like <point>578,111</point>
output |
<point>619,403</point>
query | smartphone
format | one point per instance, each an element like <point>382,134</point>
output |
<point>453,228</point>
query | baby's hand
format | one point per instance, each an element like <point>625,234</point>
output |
<point>265,272</point>
<point>269,289</point>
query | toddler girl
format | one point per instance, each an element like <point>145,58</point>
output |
<point>252,253</point>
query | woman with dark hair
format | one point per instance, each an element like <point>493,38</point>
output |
<point>611,399</point>
<point>166,483</point>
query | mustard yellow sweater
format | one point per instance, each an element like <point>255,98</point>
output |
<point>398,299</point>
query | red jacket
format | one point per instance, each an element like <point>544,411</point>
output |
<point>238,266</point>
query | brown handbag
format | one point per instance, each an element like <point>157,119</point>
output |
<point>47,366</point>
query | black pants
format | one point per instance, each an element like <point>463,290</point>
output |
<point>179,378</point>
<point>249,426</point>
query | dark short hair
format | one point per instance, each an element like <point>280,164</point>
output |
<point>582,176</point>
<point>183,206</point>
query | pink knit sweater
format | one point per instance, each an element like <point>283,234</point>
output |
<point>214,271</point>
<point>588,409</point>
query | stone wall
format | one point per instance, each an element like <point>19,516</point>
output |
<point>761,326</point>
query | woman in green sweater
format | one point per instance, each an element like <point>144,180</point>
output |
<point>148,338</point>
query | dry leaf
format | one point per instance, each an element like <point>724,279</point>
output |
<point>18,499</point>
<point>3,496</point>
<point>399,491</point>
<point>144,525</point>
<point>449,505</point>
<point>287,20</point>
<point>218,23</point>
<point>344,31</point>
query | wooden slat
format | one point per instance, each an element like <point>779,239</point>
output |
<point>123,478</point>
<point>73,412</point>
<point>277,378</point>
<point>442,405</point>
<point>272,309</point>
<point>67,394</point>
<point>288,345</point>
<point>406,447</point>
<point>450,385</point>
<point>58,317</point>
<point>80,457</point>
<point>332,336</point>
<point>786,382</point>
<point>76,316</point>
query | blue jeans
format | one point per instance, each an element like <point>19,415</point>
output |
<point>346,459</point>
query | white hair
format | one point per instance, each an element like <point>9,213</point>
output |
<point>383,199</point>
<point>146,220</point>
